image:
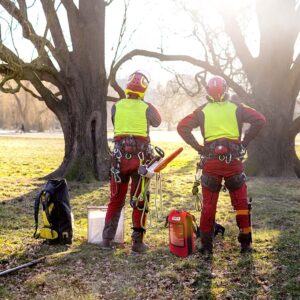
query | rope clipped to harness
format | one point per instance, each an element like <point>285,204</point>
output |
<point>148,171</point>
<point>195,190</point>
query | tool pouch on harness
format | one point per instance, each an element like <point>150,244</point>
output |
<point>56,212</point>
<point>182,230</point>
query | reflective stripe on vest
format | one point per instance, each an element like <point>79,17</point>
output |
<point>220,121</point>
<point>130,118</point>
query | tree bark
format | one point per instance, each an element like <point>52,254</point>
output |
<point>82,112</point>
<point>85,133</point>
<point>271,153</point>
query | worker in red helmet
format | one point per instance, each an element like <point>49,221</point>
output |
<point>131,118</point>
<point>220,121</point>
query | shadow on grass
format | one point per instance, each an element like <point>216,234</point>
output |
<point>272,271</point>
<point>118,274</point>
<point>276,226</point>
<point>17,221</point>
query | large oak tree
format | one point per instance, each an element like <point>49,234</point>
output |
<point>76,68</point>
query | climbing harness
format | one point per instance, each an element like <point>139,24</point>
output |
<point>224,151</point>
<point>150,165</point>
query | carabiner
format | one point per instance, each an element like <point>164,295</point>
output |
<point>128,156</point>
<point>222,157</point>
<point>228,158</point>
<point>117,153</point>
<point>141,156</point>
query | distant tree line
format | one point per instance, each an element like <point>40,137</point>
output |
<point>21,112</point>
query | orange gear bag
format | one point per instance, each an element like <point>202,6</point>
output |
<point>181,232</point>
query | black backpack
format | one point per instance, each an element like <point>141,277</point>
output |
<point>56,212</point>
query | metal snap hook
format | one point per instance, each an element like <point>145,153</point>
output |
<point>141,156</point>
<point>228,158</point>
<point>117,153</point>
<point>128,156</point>
<point>222,157</point>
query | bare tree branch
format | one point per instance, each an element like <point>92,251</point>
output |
<point>9,89</point>
<point>28,30</point>
<point>45,93</point>
<point>108,2</point>
<point>6,55</point>
<point>196,62</point>
<point>32,93</point>
<point>20,16</point>
<point>233,30</point>
<point>111,77</point>
<point>14,66</point>
<point>112,99</point>
<point>121,35</point>
<point>55,29</point>
<point>72,13</point>
<point>199,79</point>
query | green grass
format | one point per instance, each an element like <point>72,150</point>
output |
<point>82,271</point>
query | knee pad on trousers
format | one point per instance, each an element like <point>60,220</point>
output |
<point>235,182</point>
<point>210,183</point>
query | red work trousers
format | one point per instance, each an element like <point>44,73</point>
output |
<point>222,170</point>
<point>128,170</point>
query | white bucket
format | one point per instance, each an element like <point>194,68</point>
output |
<point>96,221</point>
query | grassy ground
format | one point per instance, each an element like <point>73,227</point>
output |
<point>82,271</point>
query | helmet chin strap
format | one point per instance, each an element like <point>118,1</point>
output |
<point>223,98</point>
<point>134,96</point>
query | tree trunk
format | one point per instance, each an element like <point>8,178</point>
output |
<point>82,112</point>
<point>267,156</point>
<point>87,154</point>
<point>272,153</point>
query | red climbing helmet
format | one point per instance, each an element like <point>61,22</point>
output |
<point>216,89</point>
<point>138,83</point>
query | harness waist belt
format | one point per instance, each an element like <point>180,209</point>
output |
<point>223,147</point>
<point>131,146</point>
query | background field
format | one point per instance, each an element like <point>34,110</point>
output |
<point>82,271</point>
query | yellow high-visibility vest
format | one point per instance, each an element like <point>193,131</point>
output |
<point>220,121</point>
<point>130,118</point>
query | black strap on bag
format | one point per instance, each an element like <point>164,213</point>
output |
<point>59,216</point>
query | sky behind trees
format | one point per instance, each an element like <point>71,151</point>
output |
<point>153,25</point>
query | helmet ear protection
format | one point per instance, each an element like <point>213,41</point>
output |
<point>137,84</point>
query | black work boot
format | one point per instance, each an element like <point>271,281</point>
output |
<point>138,245</point>
<point>246,242</point>
<point>206,246</point>
<point>109,232</point>
<point>106,244</point>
